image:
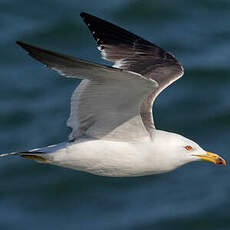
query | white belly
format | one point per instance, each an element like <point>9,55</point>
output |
<point>107,158</point>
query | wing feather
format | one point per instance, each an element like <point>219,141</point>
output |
<point>132,53</point>
<point>107,102</point>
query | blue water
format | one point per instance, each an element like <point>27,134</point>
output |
<point>34,106</point>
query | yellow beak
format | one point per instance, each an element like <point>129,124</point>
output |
<point>213,158</point>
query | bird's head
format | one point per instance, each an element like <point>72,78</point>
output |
<point>182,150</point>
<point>197,153</point>
<point>193,152</point>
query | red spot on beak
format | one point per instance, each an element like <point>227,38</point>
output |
<point>220,161</point>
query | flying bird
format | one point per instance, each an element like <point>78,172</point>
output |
<point>113,132</point>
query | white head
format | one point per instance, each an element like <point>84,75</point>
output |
<point>180,150</point>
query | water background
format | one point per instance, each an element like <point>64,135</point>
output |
<point>34,106</point>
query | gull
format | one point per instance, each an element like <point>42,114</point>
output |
<point>113,132</point>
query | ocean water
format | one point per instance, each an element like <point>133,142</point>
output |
<point>34,107</point>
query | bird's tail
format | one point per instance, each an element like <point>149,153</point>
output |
<point>38,154</point>
<point>27,154</point>
<point>8,154</point>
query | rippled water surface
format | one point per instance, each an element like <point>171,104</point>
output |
<point>34,106</point>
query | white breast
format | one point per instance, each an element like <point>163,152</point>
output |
<point>108,158</point>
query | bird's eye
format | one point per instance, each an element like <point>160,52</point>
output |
<point>188,147</point>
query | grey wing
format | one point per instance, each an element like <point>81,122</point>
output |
<point>107,102</point>
<point>132,53</point>
<point>109,110</point>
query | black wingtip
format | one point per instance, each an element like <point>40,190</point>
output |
<point>20,43</point>
<point>83,14</point>
<point>31,48</point>
<point>23,45</point>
